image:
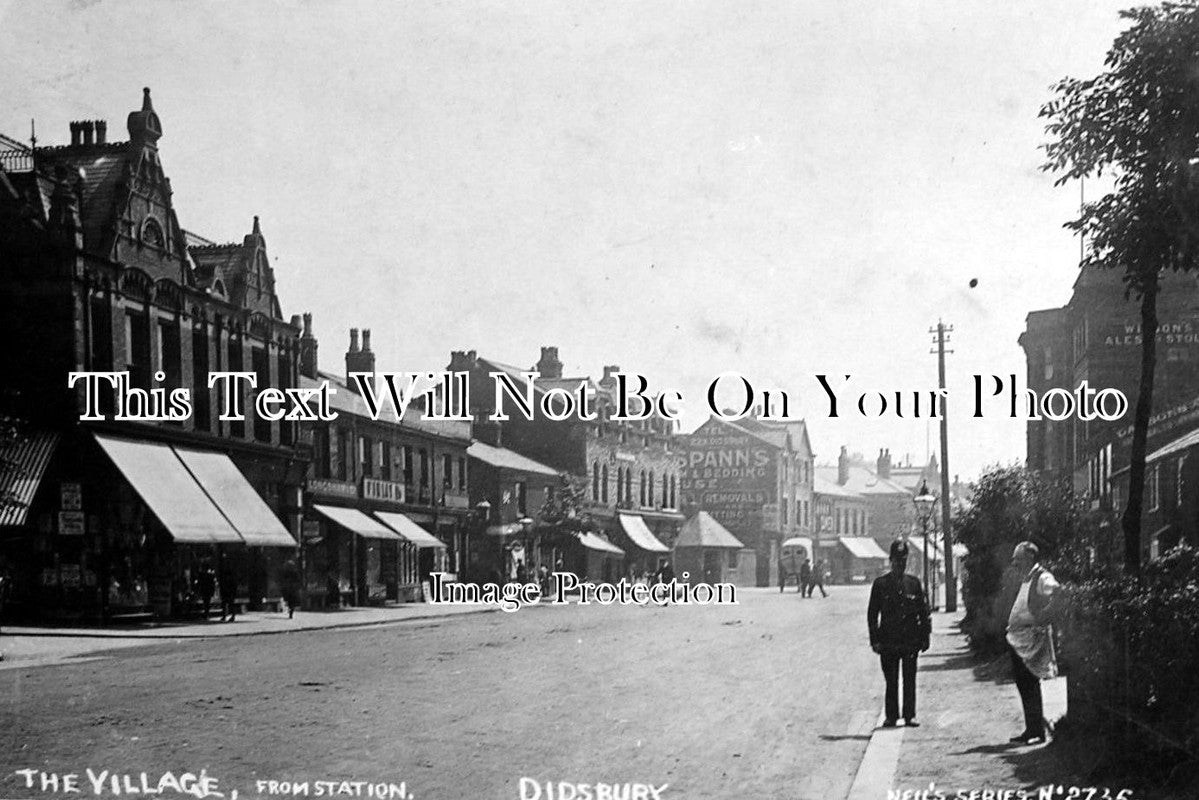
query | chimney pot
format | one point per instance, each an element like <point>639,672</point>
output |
<point>308,323</point>
<point>296,320</point>
<point>353,340</point>
<point>366,340</point>
<point>101,131</point>
<point>88,127</point>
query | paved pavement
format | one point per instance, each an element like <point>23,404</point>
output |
<point>967,712</point>
<point>30,646</point>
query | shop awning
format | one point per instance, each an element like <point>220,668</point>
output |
<point>800,541</point>
<point>593,542</point>
<point>354,520</point>
<point>636,529</point>
<point>29,456</point>
<point>862,547</point>
<point>407,529</point>
<point>172,494</point>
<point>245,509</point>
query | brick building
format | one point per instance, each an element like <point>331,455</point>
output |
<point>1096,338</point>
<point>387,499</point>
<point>755,479</point>
<point>631,469</point>
<point>97,274</point>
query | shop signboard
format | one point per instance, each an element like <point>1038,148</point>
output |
<point>71,497</point>
<point>71,523</point>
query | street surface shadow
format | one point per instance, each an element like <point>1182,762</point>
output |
<point>990,748</point>
<point>860,737</point>
<point>962,659</point>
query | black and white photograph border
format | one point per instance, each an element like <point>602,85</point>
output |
<point>716,400</point>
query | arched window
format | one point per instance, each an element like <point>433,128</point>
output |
<point>604,485</point>
<point>619,485</point>
<point>152,233</point>
<point>673,497</point>
<point>650,493</point>
<point>628,485</point>
<point>641,488</point>
<point>665,492</point>
<point>595,481</point>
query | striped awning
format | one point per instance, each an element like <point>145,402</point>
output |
<point>23,462</point>
<point>599,544</point>
<point>640,534</point>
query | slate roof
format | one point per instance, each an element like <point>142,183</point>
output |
<point>862,481</point>
<point>504,458</point>
<point>703,531</point>
<point>346,401</point>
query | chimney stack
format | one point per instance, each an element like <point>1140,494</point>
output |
<point>359,360</point>
<point>549,366</point>
<point>843,467</point>
<point>608,380</point>
<point>308,349</point>
<point>101,131</point>
<point>462,360</point>
<point>89,128</point>
<point>883,465</point>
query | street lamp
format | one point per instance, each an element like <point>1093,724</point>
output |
<point>924,502</point>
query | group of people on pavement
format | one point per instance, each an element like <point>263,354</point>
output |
<point>900,625</point>
<point>809,578</point>
<point>208,581</point>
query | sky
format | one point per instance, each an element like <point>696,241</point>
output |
<point>779,189</point>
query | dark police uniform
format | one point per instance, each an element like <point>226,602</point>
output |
<point>899,624</point>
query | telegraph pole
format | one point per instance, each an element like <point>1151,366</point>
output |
<point>951,590</point>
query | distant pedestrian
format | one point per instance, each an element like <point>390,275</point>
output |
<point>227,582</point>
<point>805,578</point>
<point>1030,638</point>
<point>543,578</point>
<point>289,586</point>
<point>665,573</point>
<point>206,587</point>
<point>522,572</point>
<point>817,580</point>
<point>899,624</point>
<point>782,574</point>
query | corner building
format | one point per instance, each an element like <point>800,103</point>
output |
<point>96,273</point>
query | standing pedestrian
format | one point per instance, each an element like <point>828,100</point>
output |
<point>817,580</point>
<point>899,624</point>
<point>227,583</point>
<point>1030,638</point>
<point>805,578</point>
<point>289,585</point>
<point>206,587</point>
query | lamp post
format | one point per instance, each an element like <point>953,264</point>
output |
<point>924,502</point>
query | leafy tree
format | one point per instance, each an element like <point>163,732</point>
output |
<point>1137,121</point>
<point>565,508</point>
<point>1011,505</point>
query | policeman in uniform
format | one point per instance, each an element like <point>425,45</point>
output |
<point>899,624</point>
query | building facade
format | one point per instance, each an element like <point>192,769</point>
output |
<point>631,469</point>
<point>1096,337</point>
<point>98,275</point>
<point>387,500</point>
<point>756,480</point>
